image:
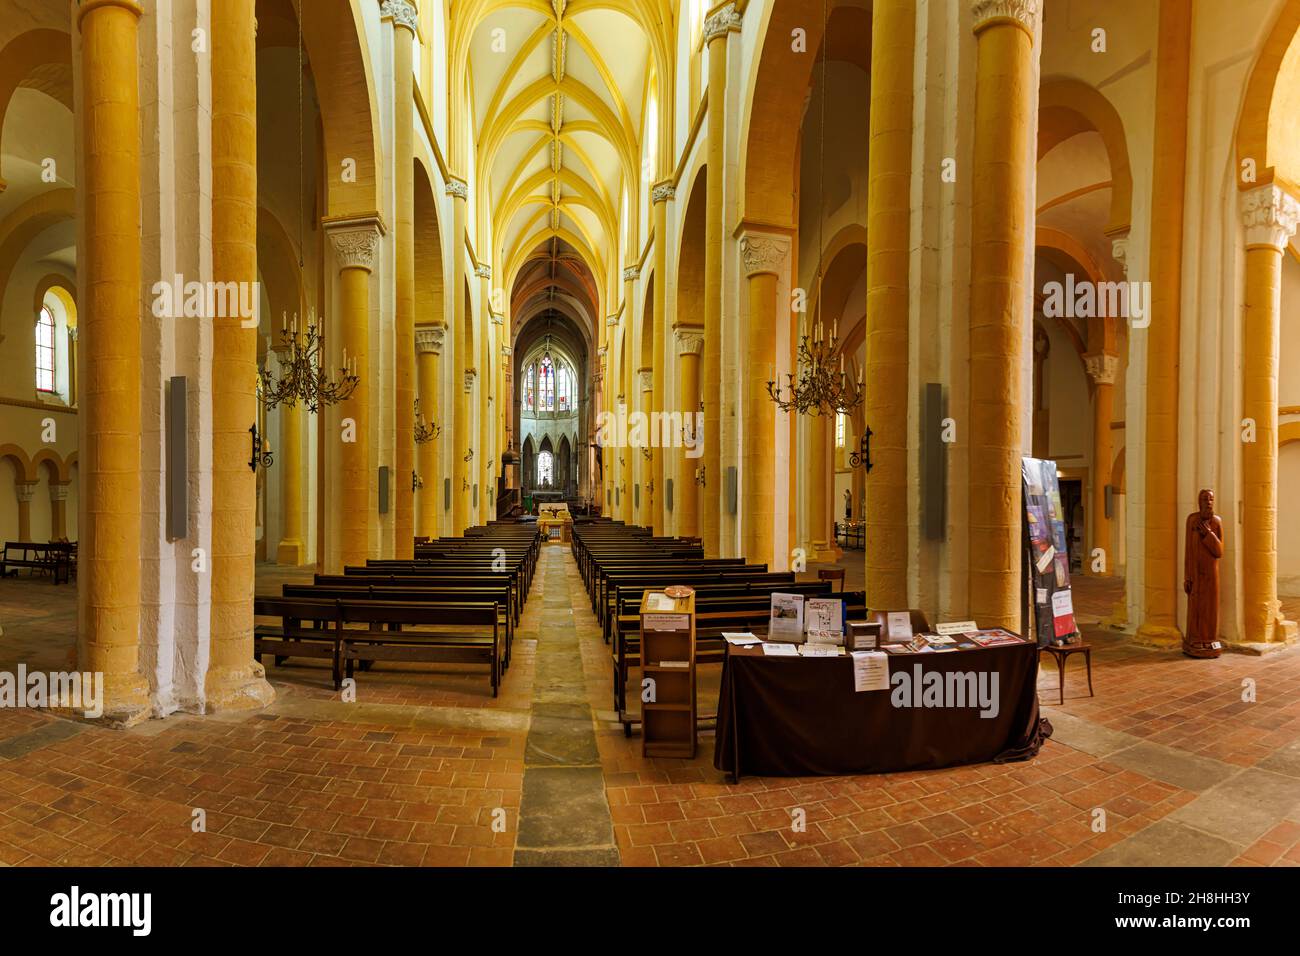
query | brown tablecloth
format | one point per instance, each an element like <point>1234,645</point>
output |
<point>800,716</point>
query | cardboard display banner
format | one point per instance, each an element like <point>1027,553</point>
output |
<point>1049,553</point>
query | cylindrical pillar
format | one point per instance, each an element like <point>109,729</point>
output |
<point>1004,105</point>
<point>289,460</point>
<point>485,463</point>
<point>462,466</point>
<point>234,681</point>
<point>1271,216</point>
<point>717,27</point>
<point>649,490</point>
<point>428,350</point>
<point>109,566</point>
<point>660,195</point>
<point>686,492</point>
<point>888,393</point>
<point>355,242</point>
<point>26,491</point>
<point>1162,538</point>
<point>820,467</point>
<point>762,258</point>
<point>59,510</point>
<point>405,20</point>
<point>1101,368</point>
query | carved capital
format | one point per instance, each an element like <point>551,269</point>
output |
<point>722,21</point>
<point>483,271</point>
<point>1023,13</point>
<point>507,351</point>
<point>496,318</point>
<point>690,341</point>
<point>663,192</point>
<point>631,273</point>
<point>1102,367</point>
<point>26,490</point>
<point>602,352</point>
<point>1119,251</point>
<point>1270,215</point>
<point>611,321</point>
<point>457,187</point>
<point>470,375</point>
<point>401,13</point>
<point>647,380</point>
<point>59,492</point>
<point>354,241</point>
<point>430,339</point>
<point>761,254</point>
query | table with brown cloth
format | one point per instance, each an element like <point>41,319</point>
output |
<point>800,716</point>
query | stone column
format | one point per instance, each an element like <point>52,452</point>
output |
<point>484,454</point>
<point>1101,368</point>
<point>59,509</point>
<point>428,349</point>
<point>762,258</point>
<point>355,242</point>
<point>1162,538</point>
<point>109,549</point>
<point>660,196</point>
<point>1271,216</point>
<point>889,174</point>
<point>649,491</point>
<point>719,25</point>
<point>612,380</point>
<point>234,681</point>
<point>405,24</point>
<point>1002,177</point>
<point>462,367</point>
<point>466,453</point>
<point>26,491</point>
<point>686,492</point>
<point>820,467</point>
<point>291,550</point>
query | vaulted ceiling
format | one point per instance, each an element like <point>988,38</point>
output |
<point>558,90</point>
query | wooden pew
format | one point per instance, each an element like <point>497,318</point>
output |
<point>382,631</point>
<point>306,628</point>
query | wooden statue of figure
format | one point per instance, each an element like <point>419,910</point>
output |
<point>1204,548</point>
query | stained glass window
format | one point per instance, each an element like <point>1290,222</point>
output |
<point>564,389</point>
<point>529,384</point>
<point>545,470</point>
<point>546,385</point>
<point>45,351</point>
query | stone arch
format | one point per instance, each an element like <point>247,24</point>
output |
<point>278,265</point>
<point>690,253</point>
<point>773,116</point>
<point>58,468</point>
<point>563,464</point>
<point>1255,139</point>
<point>1067,107</point>
<point>333,35</point>
<point>29,53</point>
<point>23,466</point>
<point>429,289</point>
<point>28,221</point>
<point>648,359</point>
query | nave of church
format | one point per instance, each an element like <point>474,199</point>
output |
<point>385,385</point>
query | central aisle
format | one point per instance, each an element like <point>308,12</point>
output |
<point>564,816</point>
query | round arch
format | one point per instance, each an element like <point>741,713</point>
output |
<point>1067,107</point>
<point>1256,139</point>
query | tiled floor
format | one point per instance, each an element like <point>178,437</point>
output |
<point>1190,761</point>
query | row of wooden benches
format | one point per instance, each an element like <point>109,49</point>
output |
<point>458,603</point>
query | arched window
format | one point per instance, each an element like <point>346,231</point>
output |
<point>546,385</point>
<point>545,470</point>
<point>529,379</point>
<point>564,389</point>
<point>45,350</point>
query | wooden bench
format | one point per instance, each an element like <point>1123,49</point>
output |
<point>382,631</point>
<point>487,594</point>
<point>306,628</point>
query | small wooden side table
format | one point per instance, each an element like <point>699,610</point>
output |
<point>1062,652</point>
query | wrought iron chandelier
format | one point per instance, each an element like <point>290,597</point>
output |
<point>302,375</point>
<point>821,389</point>
<point>425,432</point>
